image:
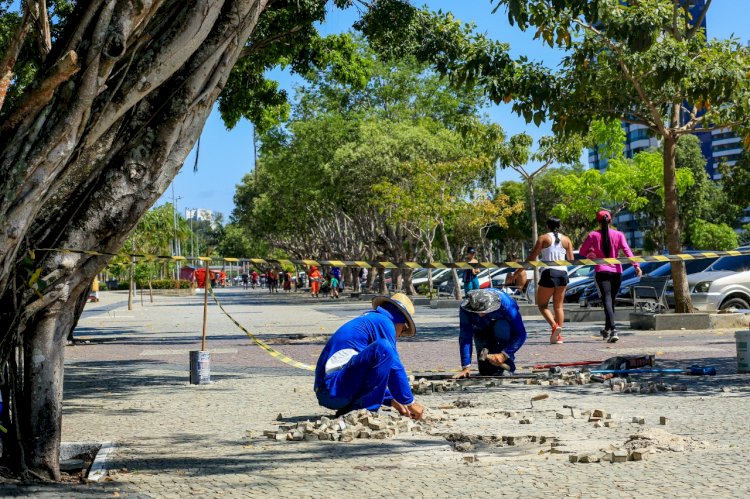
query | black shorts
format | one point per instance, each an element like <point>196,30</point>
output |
<point>553,278</point>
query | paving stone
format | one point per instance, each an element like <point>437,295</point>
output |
<point>663,420</point>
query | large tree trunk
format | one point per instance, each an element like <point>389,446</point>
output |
<point>43,386</point>
<point>408,285</point>
<point>83,166</point>
<point>683,303</point>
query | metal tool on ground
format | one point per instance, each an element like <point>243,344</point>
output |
<point>691,371</point>
<point>447,375</point>
<point>568,364</point>
<point>622,363</point>
<point>537,398</point>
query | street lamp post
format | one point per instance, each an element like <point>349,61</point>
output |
<point>175,242</point>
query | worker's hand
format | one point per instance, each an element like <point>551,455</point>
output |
<point>497,359</point>
<point>401,408</point>
<point>464,373</point>
<point>638,271</point>
<point>416,411</point>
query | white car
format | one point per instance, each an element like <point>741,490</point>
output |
<point>725,284</point>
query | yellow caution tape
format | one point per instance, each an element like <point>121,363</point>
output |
<point>417,265</point>
<point>262,344</point>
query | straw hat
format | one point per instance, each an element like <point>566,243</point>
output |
<point>404,304</point>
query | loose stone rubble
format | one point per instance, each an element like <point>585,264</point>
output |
<point>463,442</point>
<point>620,385</point>
<point>639,447</point>
<point>360,424</point>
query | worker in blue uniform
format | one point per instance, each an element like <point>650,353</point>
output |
<point>491,319</point>
<point>360,368</point>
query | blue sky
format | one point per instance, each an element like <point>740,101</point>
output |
<point>226,155</point>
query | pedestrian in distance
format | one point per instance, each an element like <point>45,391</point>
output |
<point>359,368</point>
<point>607,243</point>
<point>516,282</point>
<point>287,282</point>
<point>255,278</point>
<point>553,281</point>
<point>470,279</point>
<point>315,277</point>
<point>334,282</point>
<point>489,319</point>
<point>245,280</point>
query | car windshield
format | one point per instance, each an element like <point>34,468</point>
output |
<point>585,271</point>
<point>733,263</point>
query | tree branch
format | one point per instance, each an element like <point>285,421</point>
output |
<point>696,25</point>
<point>264,43</point>
<point>8,62</point>
<point>658,121</point>
<point>39,97</point>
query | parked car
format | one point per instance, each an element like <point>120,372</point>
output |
<point>625,293</point>
<point>423,279</point>
<point>590,296</point>
<point>725,284</point>
<point>579,273</point>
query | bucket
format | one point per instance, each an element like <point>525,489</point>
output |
<point>200,367</point>
<point>743,355</point>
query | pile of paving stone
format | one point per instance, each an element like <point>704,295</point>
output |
<point>639,447</point>
<point>423,386</point>
<point>620,385</point>
<point>356,424</point>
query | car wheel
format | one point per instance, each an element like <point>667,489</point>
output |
<point>735,302</point>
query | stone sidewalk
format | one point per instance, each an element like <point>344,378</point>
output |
<point>129,384</point>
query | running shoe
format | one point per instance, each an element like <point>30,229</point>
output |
<point>613,337</point>
<point>556,336</point>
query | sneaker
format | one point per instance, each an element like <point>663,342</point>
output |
<point>604,333</point>
<point>613,337</point>
<point>556,336</point>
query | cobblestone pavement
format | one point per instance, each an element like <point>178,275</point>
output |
<point>129,384</point>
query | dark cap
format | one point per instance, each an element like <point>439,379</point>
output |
<point>481,301</point>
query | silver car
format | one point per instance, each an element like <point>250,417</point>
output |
<point>725,284</point>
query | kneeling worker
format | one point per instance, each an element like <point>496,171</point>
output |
<point>492,320</point>
<point>359,368</point>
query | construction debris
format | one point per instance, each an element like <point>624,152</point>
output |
<point>639,447</point>
<point>463,442</point>
<point>356,424</point>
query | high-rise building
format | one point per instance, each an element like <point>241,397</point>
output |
<point>199,214</point>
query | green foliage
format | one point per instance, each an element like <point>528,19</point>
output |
<point>735,185</point>
<point>608,138</point>
<point>632,61</point>
<point>626,184</point>
<point>706,235</point>
<point>287,37</point>
<point>236,243</point>
<point>313,190</point>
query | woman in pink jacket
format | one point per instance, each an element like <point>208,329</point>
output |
<point>607,243</point>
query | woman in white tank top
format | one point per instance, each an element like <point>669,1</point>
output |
<point>553,280</point>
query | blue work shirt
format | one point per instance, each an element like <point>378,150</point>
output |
<point>357,334</point>
<point>471,323</point>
